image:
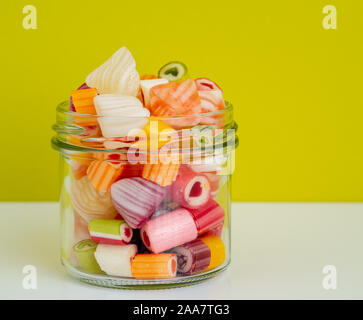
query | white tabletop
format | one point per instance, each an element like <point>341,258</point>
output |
<point>279,251</point>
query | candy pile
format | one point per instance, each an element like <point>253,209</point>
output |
<point>143,220</point>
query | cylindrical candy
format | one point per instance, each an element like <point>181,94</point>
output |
<point>90,203</point>
<point>154,266</point>
<point>217,249</point>
<point>192,257</point>
<point>169,230</point>
<point>191,189</point>
<point>84,251</point>
<point>162,174</point>
<point>102,174</point>
<point>208,217</point>
<point>115,260</point>
<point>110,231</point>
<point>136,199</point>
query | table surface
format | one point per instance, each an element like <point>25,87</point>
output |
<point>279,251</point>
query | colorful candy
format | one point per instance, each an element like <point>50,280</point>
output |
<point>154,266</point>
<point>146,86</point>
<point>133,217</point>
<point>136,199</point>
<point>205,84</point>
<point>89,202</point>
<point>176,99</point>
<point>84,251</point>
<point>71,105</point>
<point>117,75</point>
<point>168,231</point>
<point>115,260</point>
<point>119,114</point>
<point>217,249</point>
<point>191,189</point>
<point>162,174</point>
<point>102,174</point>
<point>192,257</point>
<point>83,100</point>
<point>212,101</point>
<point>110,231</point>
<point>208,217</point>
<point>173,71</point>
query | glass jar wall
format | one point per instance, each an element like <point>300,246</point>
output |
<point>147,206</point>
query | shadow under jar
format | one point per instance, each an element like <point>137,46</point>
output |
<point>148,207</point>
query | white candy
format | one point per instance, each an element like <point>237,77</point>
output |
<point>115,260</point>
<point>117,75</point>
<point>119,114</point>
<point>146,85</point>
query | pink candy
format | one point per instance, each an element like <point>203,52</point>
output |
<point>169,230</point>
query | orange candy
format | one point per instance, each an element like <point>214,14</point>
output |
<point>102,174</point>
<point>154,266</point>
<point>162,174</point>
<point>176,99</point>
<point>83,100</point>
<point>83,103</point>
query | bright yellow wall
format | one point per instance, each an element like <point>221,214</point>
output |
<point>296,88</point>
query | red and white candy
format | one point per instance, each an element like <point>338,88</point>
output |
<point>191,189</point>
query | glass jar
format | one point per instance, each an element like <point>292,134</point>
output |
<point>145,201</point>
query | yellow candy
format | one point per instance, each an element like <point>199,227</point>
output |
<point>217,250</point>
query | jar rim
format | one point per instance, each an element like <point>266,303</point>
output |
<point>63,108</point>
<point>65,127</point>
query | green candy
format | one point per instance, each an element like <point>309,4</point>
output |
<point>85,250</point>
<point>173,71</point>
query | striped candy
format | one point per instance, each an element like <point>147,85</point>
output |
<point>162,174</point>
<point>208,217</point>
<point>102,174</point>
<point>136,199</point>
<point>110,231</point>
<point>83,100</point>
<point>154,266</point>
<point>117,75</point>
<point>119,114</point>
<point>168,231</point>
<point>191,189</point>
<point>176,99</point>
<point>192,257</point>
<point>90,203</point>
